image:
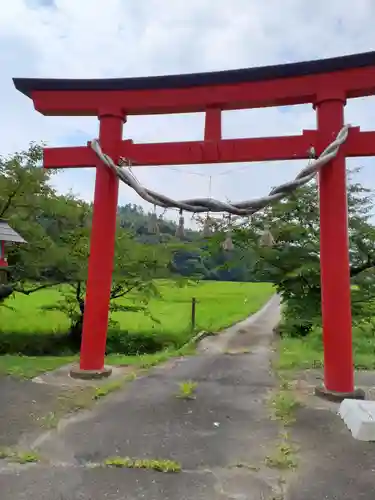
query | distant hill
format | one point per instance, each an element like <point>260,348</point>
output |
<point>134,218</point>
<point>194,260</point>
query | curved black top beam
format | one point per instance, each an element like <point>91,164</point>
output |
<point>28,85</point>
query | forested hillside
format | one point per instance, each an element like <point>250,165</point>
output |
<point>193,256</point>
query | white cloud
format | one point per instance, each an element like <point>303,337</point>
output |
<point>108,38</point>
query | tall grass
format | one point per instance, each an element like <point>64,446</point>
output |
<point>307,352</point>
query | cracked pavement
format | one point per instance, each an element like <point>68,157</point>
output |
<point>226,425</point>
<point>220,438</point>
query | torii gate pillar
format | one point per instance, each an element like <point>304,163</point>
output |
<point>102,244</point>
<point>334,256</point>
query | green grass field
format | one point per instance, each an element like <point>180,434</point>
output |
<point>307,352</point>
<point>31,366</point>
<point>219,304</point>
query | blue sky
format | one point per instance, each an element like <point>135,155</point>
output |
<point>119,38</point>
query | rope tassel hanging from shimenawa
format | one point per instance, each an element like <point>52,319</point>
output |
<point>207,227</point>
<point>208,222</point>
<point>228,245</point>
<point>153,226</point>
<point>266,239</point>
<point>180,230</point>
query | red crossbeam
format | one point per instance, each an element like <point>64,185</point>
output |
<point>224,151</point>
<point>359,143</point>
<point>205,152</point>
<point>279,92</point>
<point>69,157</point>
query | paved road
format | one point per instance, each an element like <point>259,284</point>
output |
<point>226,425</point>
<point>333,466</point>
<point>23,404</point>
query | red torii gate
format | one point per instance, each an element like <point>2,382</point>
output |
<point>327,84</point>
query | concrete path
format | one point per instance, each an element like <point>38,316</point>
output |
<point>23,404</point>
<point>221,438</point>
<point>332,465</point>
<point>252,333</point>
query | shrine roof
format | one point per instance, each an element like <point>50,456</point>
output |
<point>229,77</point>
<point>9,234</point>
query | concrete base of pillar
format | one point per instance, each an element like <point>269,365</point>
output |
<point>337,397</point>
<point>76,372</point>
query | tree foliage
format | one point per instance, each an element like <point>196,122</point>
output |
<point>136,267</point>
<point>25,196</point>
<point>293,262</point>
<point>57,230</point>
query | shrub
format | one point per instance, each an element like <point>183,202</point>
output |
<point>61,344</point>
<point>134,343</point>
<point>37,344</point>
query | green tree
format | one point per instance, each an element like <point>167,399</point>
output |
<point>57,231</point>
<point>293,262</point>
<point>25,197</point>
<point>136,267</point>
